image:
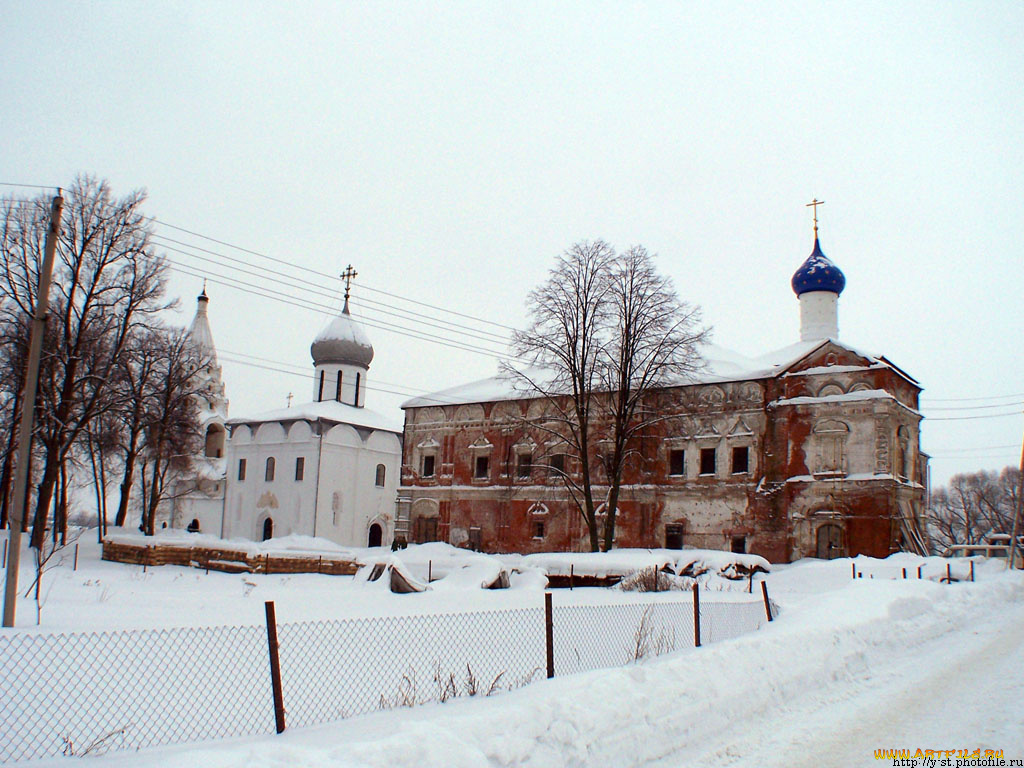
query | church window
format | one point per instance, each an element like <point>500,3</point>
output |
<point>241,469</point>
<point>300,467</point>
<point>677,462</point>
<point>904,458</point>
<point>482,467</point>
<point>268,529</point>
<point>739,545</point>
<point>830,437</point>
<point>673,536</point>
<point>557,464</point>
<point>740,460</point>
<point>428,466</point>
<point>524,463</point>
<point>538,529</point>
<point>355,400</point>
<point>214,441</point>
<point>337,388</point>
<point>320,390</point>
<point>381,473</point>
<point>476,539</point>
<point>268,474</point>
<point>707,461</point>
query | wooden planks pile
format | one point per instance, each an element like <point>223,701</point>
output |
<point>226,560</point>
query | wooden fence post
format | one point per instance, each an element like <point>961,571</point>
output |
<point>430,571</point>
<point>853,570</point>
<point>275,666</point>
<point>919,571</point>
<point>767,602</point>
<point>572,577</point>
<point>750,583</point>
<point>696,615</point>
<point>655,569</point>
<point>972,570</point>
<point>904,573</point>
<point>75,568</point>
<point>549,634</point>
<point>949,575</point>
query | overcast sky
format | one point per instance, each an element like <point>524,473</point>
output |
<point>451,151</point>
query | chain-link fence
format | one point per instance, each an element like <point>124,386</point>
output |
<point>86,693</point>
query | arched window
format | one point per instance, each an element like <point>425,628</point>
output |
<point>376,535</point>
<point>214,447</point>
<point>268,474</point>
<point>355,401</point>
<point>268,529</point>
<point>320,390</point>
<point>381,473</point>
<point>337,388</point>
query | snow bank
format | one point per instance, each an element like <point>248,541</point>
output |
<point>890,659</point>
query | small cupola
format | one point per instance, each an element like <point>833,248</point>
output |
<point>818,283</point>
<point>818,273</point>
<point>342,354</point>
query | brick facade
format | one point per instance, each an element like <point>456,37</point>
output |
<point>816,456</point>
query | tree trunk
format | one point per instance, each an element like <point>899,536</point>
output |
<point>126,486</point>
<point>62,507</point>
<point>44,498</point>
<point>7,473</point>
<point>154,498</point>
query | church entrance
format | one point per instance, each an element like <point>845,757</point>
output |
<point>830,541</point>
<point>376,534</point>
<point>268,529</point>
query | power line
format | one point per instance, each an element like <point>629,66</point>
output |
<point>269,293</point>
<point>970,399</point>
<point>324,274</point>
<point>968,418</point>
<point>976,407</point>
<point>310,287</point>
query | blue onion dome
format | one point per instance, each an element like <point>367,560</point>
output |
<point>818,273</point>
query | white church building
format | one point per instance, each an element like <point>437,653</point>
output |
<point>328,467</point>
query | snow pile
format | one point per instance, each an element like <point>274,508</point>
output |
<point>616,563</point>
<point>728,565</point>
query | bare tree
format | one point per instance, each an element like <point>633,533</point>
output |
<point>654,340</point>
<point>570,314</point>
<point>172,430</point>
<point>107,282</point>
<point>973,506</point>
<point>606,329</point>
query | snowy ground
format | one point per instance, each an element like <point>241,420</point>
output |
<point>849,667</point>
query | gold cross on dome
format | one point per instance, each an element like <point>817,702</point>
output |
<point>347,276</point>
<point>814,204</point>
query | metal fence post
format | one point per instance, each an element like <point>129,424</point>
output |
<point>853,570</point>
<point>919,571</point>
<point>949,575</point>
<point>972,570</point>
<point>549,632</point>
<point>76,557</point>
<point>696,615</point>
<point>767,603</point>
<point>572,577</point>
<point>275,666</point>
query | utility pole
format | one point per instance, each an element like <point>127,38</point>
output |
<point>28,409</point>
<point>1017,510</point>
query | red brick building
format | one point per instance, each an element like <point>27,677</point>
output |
<point>812,450</point>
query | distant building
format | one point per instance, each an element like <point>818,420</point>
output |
<point>811,450</point>
<point>325,468</point>
<point>196,498</point>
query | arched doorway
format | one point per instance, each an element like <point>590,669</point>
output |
<point>268,529</point>
<point>376,535</point>
<point>830,542</point>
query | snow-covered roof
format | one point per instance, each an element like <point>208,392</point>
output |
<point>342,340</point>
<point>720,365</point>
<point>326,410</point>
